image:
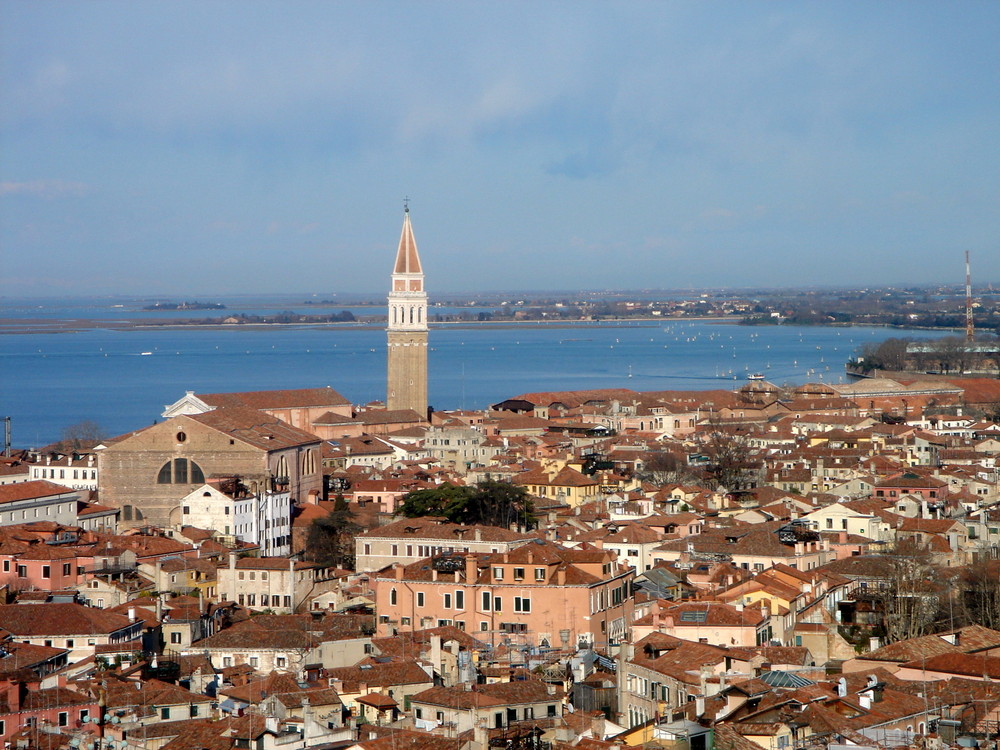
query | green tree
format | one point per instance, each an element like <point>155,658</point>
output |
<point>447,500</point>
<point>491,503</point>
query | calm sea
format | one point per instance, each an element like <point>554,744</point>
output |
<point>51,380</point>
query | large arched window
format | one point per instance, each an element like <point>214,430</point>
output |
<point>180,471</point>
<point>281,470</point>
<point>309,462</point>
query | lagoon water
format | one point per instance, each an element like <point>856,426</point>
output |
<point>50,380</point>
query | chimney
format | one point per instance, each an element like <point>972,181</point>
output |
<point>271,724</point>
<point>561,576</point>
<point>436,651</point>
<point>470,568</point>
<point>131,614</point>
<point>843,537</point>
<point>398,570</point>
<point>481,737</point>
<point>478,534</point>
<point>699,706</point>
<point>232,561</point>
<point>14,695</point>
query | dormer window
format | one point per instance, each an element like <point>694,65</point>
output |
<point>497,574</point>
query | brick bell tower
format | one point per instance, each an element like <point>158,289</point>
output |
<point>407,328</point>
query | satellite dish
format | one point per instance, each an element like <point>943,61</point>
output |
<point>75,742</point>
<point>114,719</point>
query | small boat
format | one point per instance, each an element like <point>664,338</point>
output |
<point>145,354</point>
<point>755,376</point>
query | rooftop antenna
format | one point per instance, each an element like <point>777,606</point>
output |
<point>970,327</point>
<point>6,437</point>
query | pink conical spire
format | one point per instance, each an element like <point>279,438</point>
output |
<point>407,258</point>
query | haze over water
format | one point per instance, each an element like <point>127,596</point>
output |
<point>52,380</point>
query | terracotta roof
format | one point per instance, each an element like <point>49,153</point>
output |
<point>254,427</point>
<point>10,493</point>
<point>284,399</point>
<point>36,620</point>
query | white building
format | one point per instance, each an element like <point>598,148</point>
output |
<point>78,471</point>
<point>264,519</point>
<point>39,500</point>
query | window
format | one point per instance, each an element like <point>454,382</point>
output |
<point>281,661</point>
<point>518,574</point>
<point>22,571</point>
<point>522,604</point>
<point>486,601</point>
<point>67,569</point>
<point>63,718</point>
<point>6,566</point>
<point>496,604</point>
<point>227,661</point>
<point>447,601</point>
<point>459,600</point>
<point>497,574</point>
<point>186,510</point>
<point>194,710</point>
<point>551,710</point>
<point>253,661</point>
<point>175,637</point>
<point>69,643</point>
<point>46,571</point>
<point>84,717</point>
<point>165,712</point>
<point>420,598</point>
<point>180,471</point>
<point>483,625</point>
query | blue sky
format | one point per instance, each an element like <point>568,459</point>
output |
<point>218,146</point>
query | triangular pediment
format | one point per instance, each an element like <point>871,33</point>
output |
<point>186,404</point>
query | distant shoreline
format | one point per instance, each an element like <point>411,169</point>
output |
<point>14,326</point>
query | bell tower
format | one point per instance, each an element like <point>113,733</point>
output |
<point>407,328</point>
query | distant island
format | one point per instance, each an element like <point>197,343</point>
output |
<point>185,306</point>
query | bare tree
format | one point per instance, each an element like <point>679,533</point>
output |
<point>732,461</point>
<point>911,595</point>
<point>83,435</point>
<point>664,467</point>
